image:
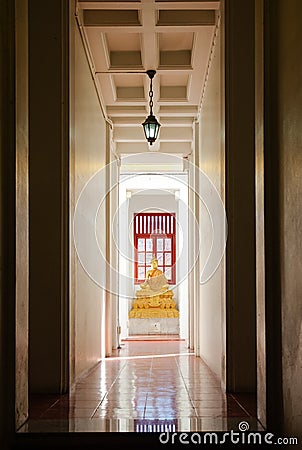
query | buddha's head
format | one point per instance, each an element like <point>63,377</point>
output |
<point>154,262</point>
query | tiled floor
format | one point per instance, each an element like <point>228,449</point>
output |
<point>145,386</point>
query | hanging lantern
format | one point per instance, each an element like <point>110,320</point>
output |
<point>151,125</point>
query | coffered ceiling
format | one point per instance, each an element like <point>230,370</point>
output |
<point>126,38</point>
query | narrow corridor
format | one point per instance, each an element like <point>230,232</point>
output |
<point>145,386</point>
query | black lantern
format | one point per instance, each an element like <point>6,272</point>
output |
<point>151,125</point>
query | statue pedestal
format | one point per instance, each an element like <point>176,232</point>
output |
<point>154,326</point>
<point>154,312</point>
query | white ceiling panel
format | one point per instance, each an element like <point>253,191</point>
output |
<point>126,38</point>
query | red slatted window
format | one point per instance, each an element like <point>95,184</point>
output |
<point>155,234</point>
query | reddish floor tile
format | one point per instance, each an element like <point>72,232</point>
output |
<point>148,380</point>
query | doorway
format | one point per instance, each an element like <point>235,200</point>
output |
<point>170,197</point>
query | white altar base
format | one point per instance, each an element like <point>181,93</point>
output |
<point>154,326</point>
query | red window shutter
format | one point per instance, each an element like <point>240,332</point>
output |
<point>155,234</point>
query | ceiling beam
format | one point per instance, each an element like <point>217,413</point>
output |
<point>122,122</point>
<point>167,134</point>
<point>97,5</point>
<point>201,4</point>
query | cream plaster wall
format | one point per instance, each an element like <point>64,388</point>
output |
<point>88,155</point>
<point>211,161</point>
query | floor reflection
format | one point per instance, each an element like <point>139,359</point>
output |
<point>139,426</point>
<point>145,387</point>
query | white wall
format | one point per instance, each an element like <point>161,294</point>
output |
<point>88,155</point>
<point>113,341</point>
<point>211,157</point>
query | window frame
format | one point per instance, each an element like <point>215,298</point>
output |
<point>155,234</point>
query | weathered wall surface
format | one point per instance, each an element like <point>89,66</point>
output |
<point>290,142</point>
<point>48,201</point>
<point>21,212</point>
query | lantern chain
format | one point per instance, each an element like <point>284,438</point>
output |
<point>151,98</point>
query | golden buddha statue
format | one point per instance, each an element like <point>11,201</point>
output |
<point>155,280</point>
<point>154,299</point>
